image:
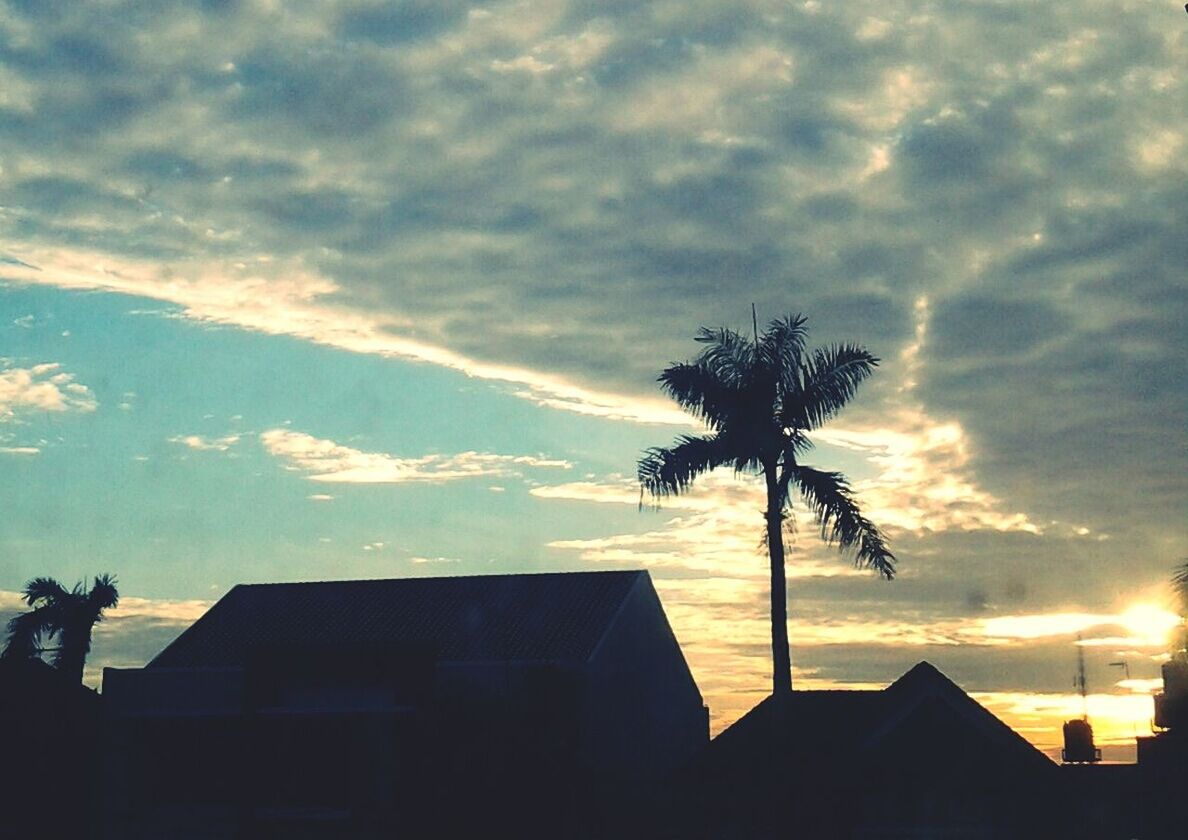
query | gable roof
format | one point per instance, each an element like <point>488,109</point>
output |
<point>827,726</point>
<point>922,682</point>
<point>522,617</point>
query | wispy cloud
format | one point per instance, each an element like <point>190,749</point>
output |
<point>331,462</point>
<point>554,198</point>
<point>279,299</point>
<point>921,485</point>
<point>1144,626</point>
<point>43,387</point>
<point>206,444</point>
<point>925,477</point>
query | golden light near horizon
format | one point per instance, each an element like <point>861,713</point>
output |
<point>1151,622</point>
<point>1145,625</point>
<point>1117,719</point>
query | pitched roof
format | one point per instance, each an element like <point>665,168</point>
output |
<point>520,617</point>
<point>825,724</point>
<point>922,681</point>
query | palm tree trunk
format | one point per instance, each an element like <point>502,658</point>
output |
<point>781,659</point>
<point>75,644</point>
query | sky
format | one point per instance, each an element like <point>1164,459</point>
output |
<point>302,291</point>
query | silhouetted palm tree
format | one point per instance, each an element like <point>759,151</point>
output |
<point>760,399</point>
<point>67,615</point>
<point>1180,584</point>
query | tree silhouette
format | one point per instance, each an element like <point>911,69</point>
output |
<point>1180,585</point>
<point>67,615</point>
<point>760,399</point>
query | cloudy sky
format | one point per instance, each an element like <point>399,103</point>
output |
<point>356,289</point>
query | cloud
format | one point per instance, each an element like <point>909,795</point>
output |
<point>723,626</point>
<point>1146,625</point>
<point>205,444</point>
<point>554,196</point>
<point>1116,718</point>
<point>332,462</point>
<point>43,387</point>
<point>922,484</point>
<point>243,295</point>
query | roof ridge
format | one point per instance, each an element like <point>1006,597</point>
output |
<point>558,573</point>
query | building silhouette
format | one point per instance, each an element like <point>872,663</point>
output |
<point>1163,757</point>
<point>918,759</point>
<point>49,729</point>
<point>560,706</point>
<point>506,705</point>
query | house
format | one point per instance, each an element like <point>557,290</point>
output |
<point>49,727</point>
<point>515,705</point>
<point>918,759</point>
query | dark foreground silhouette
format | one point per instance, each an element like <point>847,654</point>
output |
<point>549,705</point>
<point>66,616</point>
<point>528,706</point>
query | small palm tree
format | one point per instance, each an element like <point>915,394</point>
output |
<point>760,399</point>
<point>67,615</point>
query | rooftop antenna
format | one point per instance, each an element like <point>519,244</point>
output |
<point>1125,666</point>
<point>1078,734</point>
<point>1079,682</point>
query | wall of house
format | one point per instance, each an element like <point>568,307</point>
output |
<point>937,775</point>
<point>642,714</point>
<point>204,753</point>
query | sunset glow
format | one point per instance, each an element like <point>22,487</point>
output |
<point>370,289</point>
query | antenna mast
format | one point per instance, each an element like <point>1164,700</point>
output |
<point>1078,734</point>
<point>1080,680</point>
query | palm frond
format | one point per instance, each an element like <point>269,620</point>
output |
<point>701,392</point>
<point>781,348</point>
<point>24,634</point>
<point>796,443</point>
<point>670,471</point>
<point>1180,583</point>
<point>831,500</point>
<point>45,590</point>
<point>728,355</point>
<point>103,595</point>
<point>829,379</point>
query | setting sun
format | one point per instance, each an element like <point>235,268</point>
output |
<point>1147,621</point>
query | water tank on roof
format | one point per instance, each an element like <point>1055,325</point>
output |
<point>1078,743</point>
<point>1171,707</point>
